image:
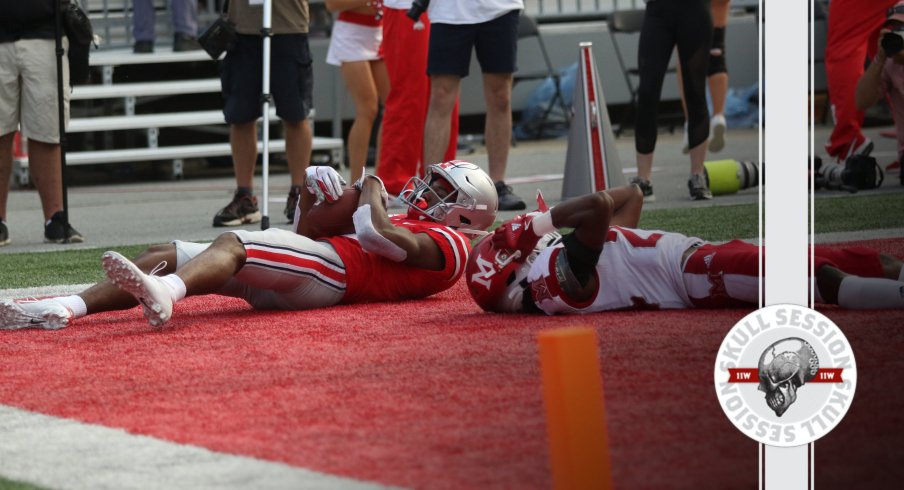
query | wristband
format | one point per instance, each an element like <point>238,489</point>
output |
<point>542,224</point>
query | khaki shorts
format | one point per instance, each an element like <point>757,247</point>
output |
<point>28,89</point>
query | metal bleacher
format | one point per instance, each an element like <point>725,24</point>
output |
<point>106,106</point>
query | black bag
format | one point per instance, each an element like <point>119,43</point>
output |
<point>862,172</point>
<point>78,29</point>
<point>219,37</point>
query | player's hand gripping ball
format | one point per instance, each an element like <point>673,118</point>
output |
<point>328,219</point>
<point>324,183</point>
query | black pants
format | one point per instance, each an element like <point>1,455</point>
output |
<point>667,23</point>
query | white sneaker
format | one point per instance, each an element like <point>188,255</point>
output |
<point>33,313</point>
<point>153,295</point>
<point>717,126</point>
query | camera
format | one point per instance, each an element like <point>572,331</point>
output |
<point>892,43</point>
<point>418,7</point>
<point>218,38</point>
<point>858,172</point>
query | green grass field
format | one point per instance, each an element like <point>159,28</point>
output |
<point>716,223</point>
<point>14,485</point>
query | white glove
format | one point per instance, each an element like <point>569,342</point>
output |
<point>324,182</point>
<point>359,184</point>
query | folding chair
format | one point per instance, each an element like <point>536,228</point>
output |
<point>527,28</point>
<point>623,23</point>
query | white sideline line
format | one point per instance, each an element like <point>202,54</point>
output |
<point>42,291</point>
<point>63,454</point>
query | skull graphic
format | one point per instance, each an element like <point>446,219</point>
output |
<point>784,367</point>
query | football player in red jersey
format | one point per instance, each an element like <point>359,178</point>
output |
<point>608,264</point>
<point>387,258</point>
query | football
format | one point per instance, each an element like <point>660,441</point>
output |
<point>332,219</point>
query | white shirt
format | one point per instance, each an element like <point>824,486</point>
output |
<point>637,269</point>
<point>470,11</point>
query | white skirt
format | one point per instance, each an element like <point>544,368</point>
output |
<point>354,42</point>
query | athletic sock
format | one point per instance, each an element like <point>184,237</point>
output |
<point>870,292</point>
<point>176,286</point>
<point>75,303</point>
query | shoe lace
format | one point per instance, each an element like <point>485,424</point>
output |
<point>159,267</point>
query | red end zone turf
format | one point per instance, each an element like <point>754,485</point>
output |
<point>434,393</point>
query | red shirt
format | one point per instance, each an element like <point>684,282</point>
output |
<point>371,277</point>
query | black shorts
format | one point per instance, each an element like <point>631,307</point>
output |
<point>291,78</point>
<point>495,41</point>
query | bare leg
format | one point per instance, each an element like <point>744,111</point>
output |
<point>44,169</point>
<point>360,83</point>
<point>299,141</point>
<point>698,156</point>
<point>214,267</point>
<point>497,91</point>
<point>243,140</point>
<point>644,165</point>
<point>6,168</point>
<point>443,93</point>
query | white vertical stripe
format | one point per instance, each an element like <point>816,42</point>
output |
<point>786,41</point>
<point>786,201</point>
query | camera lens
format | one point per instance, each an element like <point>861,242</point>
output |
<point>892,43</point>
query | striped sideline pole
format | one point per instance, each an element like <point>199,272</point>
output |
<point>575,411</point>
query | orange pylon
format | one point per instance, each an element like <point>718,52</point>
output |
<point>575,410</point>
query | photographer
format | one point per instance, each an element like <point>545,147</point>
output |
<point>28,101</point>
<point>885,75</point>
<point>291,86</point>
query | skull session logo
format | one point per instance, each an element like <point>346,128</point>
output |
<point>785,375</point>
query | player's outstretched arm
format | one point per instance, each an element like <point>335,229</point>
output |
<point>377,234</point>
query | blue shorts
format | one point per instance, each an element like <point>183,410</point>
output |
<point>495,41</point>
<point>291,78</point>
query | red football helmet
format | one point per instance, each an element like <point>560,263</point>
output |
<point>497,278</point>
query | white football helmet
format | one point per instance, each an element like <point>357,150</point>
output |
<point>471,205</point>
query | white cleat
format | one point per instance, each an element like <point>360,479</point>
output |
<point>33,313</point>
<point>153,295</point>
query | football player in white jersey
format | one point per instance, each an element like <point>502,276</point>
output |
<point>607,264</point>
